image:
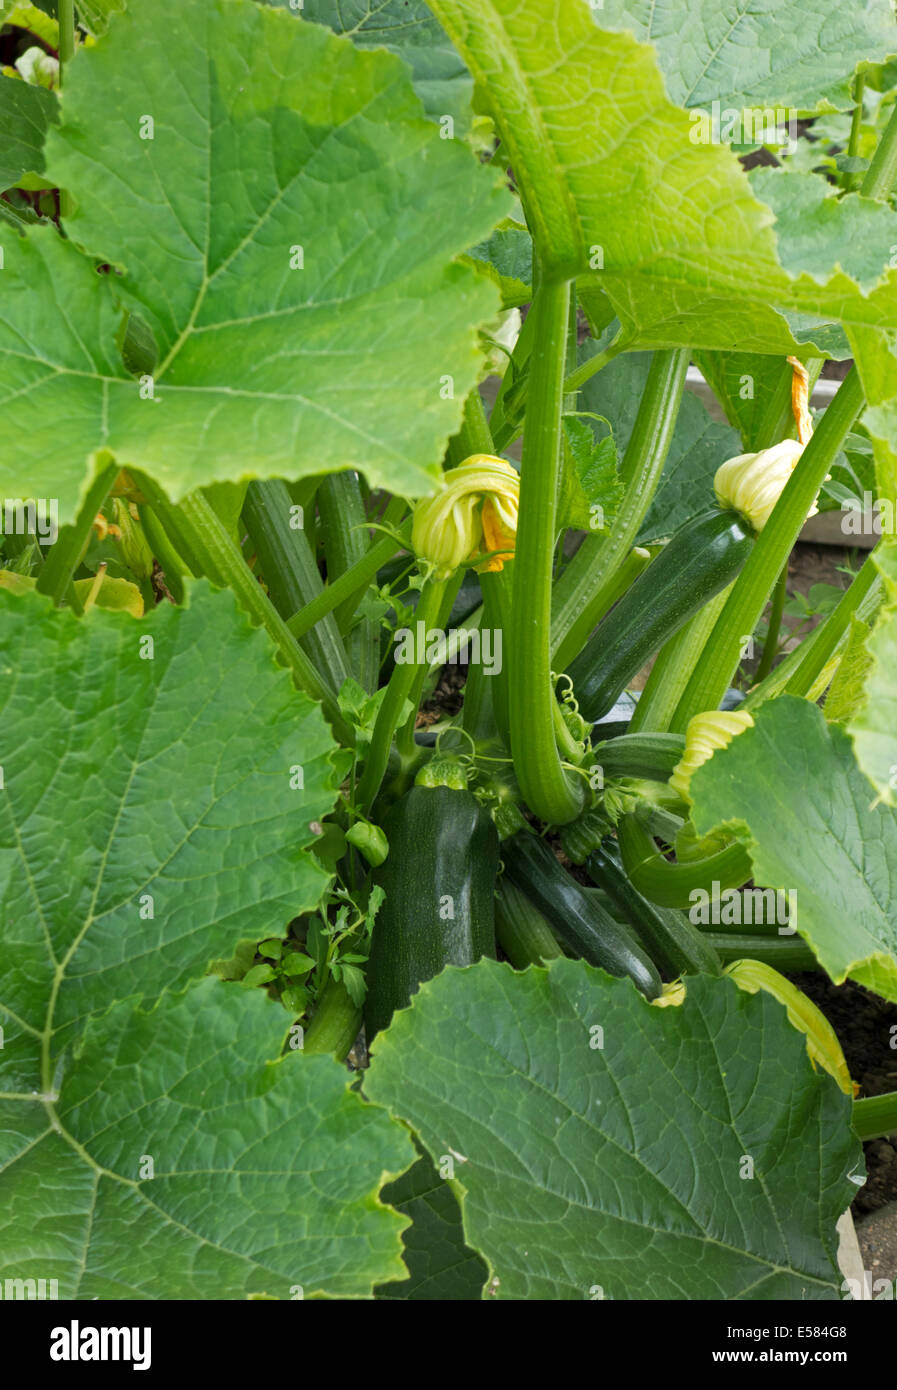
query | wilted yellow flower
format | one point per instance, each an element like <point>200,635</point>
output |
<point>705,734</point>
<point>475,513</point>
<point>822,1041</point>
<point>672,994</point>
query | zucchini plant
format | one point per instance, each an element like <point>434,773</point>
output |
<point>354,865</point>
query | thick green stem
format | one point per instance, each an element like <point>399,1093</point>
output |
<point>670,674</point>
<point>290,572</point>
<point>196,529</point>
<point>875,1116</point>
<point>783,952</point>
<point>852,180</point>
<point>401,683</point>
<point>343,525</point>
<point>600,603</point>
<point>589,577</point>
<point>335,1025</point>
<point>546,787</point>
<point>55,578</point>
<point>172,566</point>
<point>586,370</point>
<point>779,594</point>
<point>797,674</point>
<point>66,16</point>
<point>879,177</point>
<point>744,607</point>
<point>353,581</point>
<point>405,737</point>
<point>672,885</point>
<point>485,694</point>
<point>474,437</point>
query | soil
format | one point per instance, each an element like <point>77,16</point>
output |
<point>866,1026</point>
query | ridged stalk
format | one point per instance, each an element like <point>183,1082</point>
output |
<point>589,577</point>
<point>546,787</point>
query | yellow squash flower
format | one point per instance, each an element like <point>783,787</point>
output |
<point>475,513</point>
<point>822,1041</point>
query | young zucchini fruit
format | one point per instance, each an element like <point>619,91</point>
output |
<point>523,932</point>
<point>575,912</point>
<point>439,881</point>
<point>701,559</point>
<point>671,940</point>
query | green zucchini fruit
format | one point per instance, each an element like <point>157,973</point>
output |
<point>652,756</point>
<point>523,933</point>
<point>671,940</point>
<point>439,881</point>
<point>703,557</point>
<point>575,912</point>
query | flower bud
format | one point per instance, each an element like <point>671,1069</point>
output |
<point>705,734</point>
<point>135,550</point>
<point>753,483</point>
<point>476,512</point>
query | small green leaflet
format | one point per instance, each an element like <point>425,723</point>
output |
<point>507,258</point>
<point>605,1148</point>
<point>591,489</point>
<point>25,114</point>
<point>285,223</point>
<point>95,15</point>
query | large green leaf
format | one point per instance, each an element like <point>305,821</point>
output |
<point>407,28</point>
<point>276,144</point>
<point>614,181</point>
<point>622,1170</point>
<point>799,53</point>
<point>163,779</point>
<point>792,787</point>
<point>264,1174</point>
<point>152,815</point>
<point>698,447</point>
<point>25,114</point>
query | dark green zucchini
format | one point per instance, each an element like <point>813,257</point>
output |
<point>703,557</point>
<point>575,912</point>
<point>523,932</point>
<point>648,755</point>
<point>439,880</point>
<point>672,942</point>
